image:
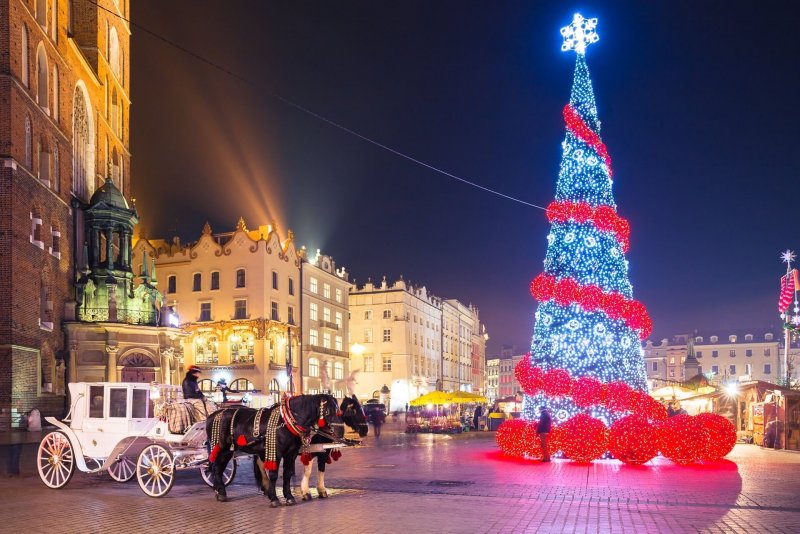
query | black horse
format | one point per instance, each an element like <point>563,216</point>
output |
<point>298,419</point>
<point>353,417</point>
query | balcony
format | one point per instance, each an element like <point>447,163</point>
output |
<point>400,318</point>
<point>328,324</point>
<point>123,315</point>
<point>323,350</point>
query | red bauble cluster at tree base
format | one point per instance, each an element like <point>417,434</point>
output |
<point>634,440</point>
<point>721,436</point>
<point>684,439</point>
<point>583,438</point>
<point>567,291</point>
<point>530,378</point>
<point>518,438</point>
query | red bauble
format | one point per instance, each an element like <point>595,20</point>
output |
<point>721,435</point>
<point>633,440</point>
<point>583,438</point>
<point>530,378</point>
<point>619,397</point>
<point>557,211</point>
<point>557,382</point>
<point>615,305</point>
<point>542,287</point>
<point>586,391</point>
<point>566,291</point>
<point>591,297</point>
<point>684,439</point>
<point>517,437</point>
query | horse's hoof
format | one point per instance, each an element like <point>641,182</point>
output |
<point>221,497</point>
<point>307,497</point>
<point>275,504</point>
<point>290,501</point>
<point>323,494</point>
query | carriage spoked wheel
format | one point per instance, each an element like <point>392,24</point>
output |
<point>155,470</point>
<point>55,460</point>
<point>122,470</point>
<point>227,474</point>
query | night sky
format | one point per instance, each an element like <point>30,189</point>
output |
<point>697,101</point>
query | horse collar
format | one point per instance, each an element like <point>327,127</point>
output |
<point>291,423</point>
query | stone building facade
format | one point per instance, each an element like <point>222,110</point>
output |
<point>63,129</point>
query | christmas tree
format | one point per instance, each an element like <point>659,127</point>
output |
<point>587,323</point>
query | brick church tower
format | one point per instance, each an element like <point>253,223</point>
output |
<point>64,115</point>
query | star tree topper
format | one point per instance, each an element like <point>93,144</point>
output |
<point>787,256</point>
<point>579,34</point>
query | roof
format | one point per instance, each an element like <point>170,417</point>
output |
<point>109,195</point>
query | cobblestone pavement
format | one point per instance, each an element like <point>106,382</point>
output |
<point>432,483</point>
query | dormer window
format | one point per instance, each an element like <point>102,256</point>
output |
<point>714,339</point>
<point>698,339</point>
<point>748,337</point>
<point>732,339</point>
<point>768,336</point>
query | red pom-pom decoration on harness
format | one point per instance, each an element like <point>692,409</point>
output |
<point>241,440</point>
<point>214,452</point>
<point>305,458</point>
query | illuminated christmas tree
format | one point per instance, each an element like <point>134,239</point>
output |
<point>587,323</point>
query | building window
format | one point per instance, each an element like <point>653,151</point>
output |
<point>312,285</point>
<point>172,282</point>
<point>36,229</point>
<point>313,337</point>
<point>326,314</point>
<point>313,311</point>
<point>214,280</point>
<point>197,282</point>
<point>274,280</point>
<point>714,339</point>
<point>290,316</point>
<point>291,285</point>
<point>242,350</point>
<point>42,74</point>
<point>313,367</point>
<point>699,354</point>
<point>41,13</point>
<point>714,370</point>
<point>672,360</point>
<point>326,340</point>
<point>748,352</point>
<point>655,367</point>
<point>25,56</point>
<point>55,236</point>
<point>205,311</point>
<point>368,335</point>
<point>767,352</point>
<point>339,319</point>
<point>368,315</point>
<point>387,363</point>
<point>326,291</point>
<point>338,295</point>
<point>241,279</point>
<point>732,353</point>
<point>715,354</point>
<point>206,350</point>
<point>369,364</point>
<point>387,334</point>
<point>732,370</point>
<point>767,368</point>
<point>275,314</point>
<point>56,99</point>
<point>338,371</point>
<point>768,336</point>
<point>56,171</point>
<point>82,145</point>
<point>240,309</point>
<point>748,337</point>
<point>339,345</point>
<point>113,53</point>
<point>28,143</point>
<point>387,314</point>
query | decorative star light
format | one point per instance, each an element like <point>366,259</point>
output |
<point>579,34</point>
<point>787,256</point>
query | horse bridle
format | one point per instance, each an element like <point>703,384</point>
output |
<point>305,434</point>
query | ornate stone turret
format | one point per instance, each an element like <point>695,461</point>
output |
<point>105,288</point>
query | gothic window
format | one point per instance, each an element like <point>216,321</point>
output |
<point>45,304</point>
<point>114,112</point>
<point>83,145</point>
<point>54,22</point>
<point>28,143</point>
<point>41,13</point>
<point>56,106</point>
<point>42,90</point>
<point>44,161</point>
<point>113,53</point>
<point>56,171</point>
<point>25,55</point>
<point>116,168</point>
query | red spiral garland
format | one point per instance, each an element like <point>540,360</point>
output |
<point>566,291</point>
<point>581,130</point>
<point>603,217</point>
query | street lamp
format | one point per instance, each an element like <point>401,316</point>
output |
<point>357,349</point>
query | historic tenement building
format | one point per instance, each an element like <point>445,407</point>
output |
<point>325,326</point>
<point>407,342</point>
<point>237,295</point>
<point>64,113</point>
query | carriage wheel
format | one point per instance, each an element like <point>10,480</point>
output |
<point>122,470</point>
<point>155,470</point>
<point>227,474</point>
<point>55,460</point>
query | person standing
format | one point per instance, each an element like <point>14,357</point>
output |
<point>477,416</point>
<point>543,429</point>
<point>378,417</point>
<point>191,389</point>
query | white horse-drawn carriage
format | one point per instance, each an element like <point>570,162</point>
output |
<point>113,427</point>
